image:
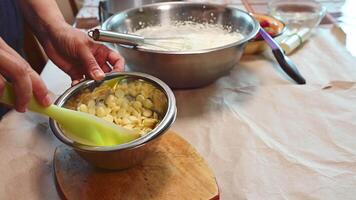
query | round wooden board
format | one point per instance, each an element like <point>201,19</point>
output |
<point>174,171</point>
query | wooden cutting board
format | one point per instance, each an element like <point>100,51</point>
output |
<point>174,171</point>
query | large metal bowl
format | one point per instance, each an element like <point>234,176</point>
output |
<point>108,8</point>
<point>124,155</point>
<point>187,69</point>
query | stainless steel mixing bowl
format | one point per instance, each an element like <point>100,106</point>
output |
<point>187,69</point>
<point>107,8</point>
<point>124,155</point>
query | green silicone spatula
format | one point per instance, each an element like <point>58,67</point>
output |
<point>81,127</point>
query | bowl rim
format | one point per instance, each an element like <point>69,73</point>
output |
<point>164,124</point>
<point>239,42</point>
<point>316,4</point>
<point>272,6</point>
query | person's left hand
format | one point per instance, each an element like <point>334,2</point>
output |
<point>78,55</point>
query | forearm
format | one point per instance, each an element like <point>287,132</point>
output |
<point>44,17</point>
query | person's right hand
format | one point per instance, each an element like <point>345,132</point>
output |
<point>26,82</point>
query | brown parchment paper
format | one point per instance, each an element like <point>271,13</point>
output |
<point>275,142</point>
<point>263,136</point>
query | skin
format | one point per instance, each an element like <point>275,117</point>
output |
<point>24,79</point>
<point>69,48</point>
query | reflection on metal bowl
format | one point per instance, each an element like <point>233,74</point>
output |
<point>187,69</point>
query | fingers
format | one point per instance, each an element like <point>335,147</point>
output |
<point>23,92</point>
<point>100,54</point>
<point>40,90</point>
<point>75,82</point>
<point>74,72</point>
<point>106,68</point>
<point>90,64</point>
<point>106,57</point>
<point>25,81</point>
<point>116,60</point>
<point>104,54</point>
<point>15,68</point>
<point>95,59</point>
<point>68,67</point>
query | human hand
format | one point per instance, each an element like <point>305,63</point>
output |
<point>78,55</point>
<point>26,82</point>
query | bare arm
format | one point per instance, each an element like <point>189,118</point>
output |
<point>43,15</point>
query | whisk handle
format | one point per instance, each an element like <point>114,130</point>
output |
<point>114,37</point>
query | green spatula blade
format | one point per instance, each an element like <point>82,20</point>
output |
<point>102,133</point>
<point>80,127</point>
<point>113,82</point>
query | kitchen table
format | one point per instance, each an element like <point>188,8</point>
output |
<point>264,136</point>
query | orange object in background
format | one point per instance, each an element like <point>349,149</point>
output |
<point>272,25</point>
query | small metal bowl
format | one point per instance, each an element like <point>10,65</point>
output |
<point>125,155</point>
<point>184,69</point>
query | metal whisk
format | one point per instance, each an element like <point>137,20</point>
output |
<point>173,43</point>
